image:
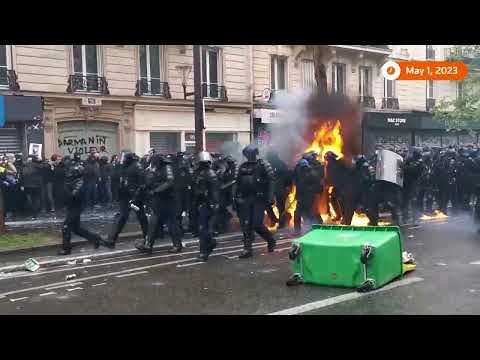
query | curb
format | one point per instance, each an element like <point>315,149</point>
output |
<point>122,238</point>
<point>64,261</point>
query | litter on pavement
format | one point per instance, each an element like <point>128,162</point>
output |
<point>70,277</point>
<point>32,264</point>
<point>86,261</point>
<point>73,262</point>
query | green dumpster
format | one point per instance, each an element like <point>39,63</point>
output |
<point>363,257</point>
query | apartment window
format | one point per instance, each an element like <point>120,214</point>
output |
<point>151,58</point>
<point>339,72</point>
<point>308,74</point>
<point>211,71</point>
<point>390,89</point>
<point>4,64</point>
<point>85,68</point>
<point>365,81</point>
<point>278,72</point>
<point>430,89</point>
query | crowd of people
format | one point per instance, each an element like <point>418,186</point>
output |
<point>202,193</point>
<point>36,186</point>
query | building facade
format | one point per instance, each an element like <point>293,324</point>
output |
<point>111,97</point>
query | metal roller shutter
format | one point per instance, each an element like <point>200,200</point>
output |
<point>10,141</point>
<point>165,142</point>
<point>216,140</point>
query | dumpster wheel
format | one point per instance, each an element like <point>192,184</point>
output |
<point>295,279</point>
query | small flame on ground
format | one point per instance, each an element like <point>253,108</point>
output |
<point>437,214</point>
<point>359,219</point>
<point>275,226</point>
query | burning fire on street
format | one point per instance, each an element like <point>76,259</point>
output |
<point>437,214</point>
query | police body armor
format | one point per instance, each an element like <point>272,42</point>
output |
<point>73,184</point>
<point>309,179</point>
<point>131,180</point>
<point>389,167</point>
<point>204,183</point>
<point>255,181</point>
<point>159,181</point>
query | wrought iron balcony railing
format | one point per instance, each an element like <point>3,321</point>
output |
<point>430,104</point>
<point>88,83</point>
<point>367,101</point>
<point>153,87</point>
<point>214,91</point>
<point>8,78</point>
<point>390,103</point>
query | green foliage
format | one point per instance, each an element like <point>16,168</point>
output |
<point>464,111</point>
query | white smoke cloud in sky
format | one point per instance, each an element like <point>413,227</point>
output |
<point>287,134</point>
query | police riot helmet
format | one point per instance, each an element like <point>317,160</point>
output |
<point>251,152</point>
<point>330,155</point>
<point>303,163</point>
<point>204,157</point>
<point>127,157</point>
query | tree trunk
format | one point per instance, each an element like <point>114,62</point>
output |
<point>320,68</point>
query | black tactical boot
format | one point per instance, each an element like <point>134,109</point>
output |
<point>272,244</point>
<point>202,257</point>
<point>64,252</point>
<point>144,246</point>
<point>175,249</point>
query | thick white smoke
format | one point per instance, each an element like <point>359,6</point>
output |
<point>287,136</point>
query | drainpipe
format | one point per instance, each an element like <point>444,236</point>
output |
<point>252,92</point>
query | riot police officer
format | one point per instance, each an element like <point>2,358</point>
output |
<point>205,201</point>
<point>226,170</point>
<point>160,194</point>
<point>131,196</point>
<point>426,183</point>
<point>183,173</point>
<point>445,174</point>
<point>413,169</point>
<point>254,192</point>
<point>308,175</point>
<point>73,187</point>
<point>465,171</point>
<point>282,184</point>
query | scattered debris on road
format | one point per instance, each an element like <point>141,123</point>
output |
<point>70,277</point>
<point>73,262</point>
<point>86,261</point>
<point>32,265</point>
<point>441,264</point>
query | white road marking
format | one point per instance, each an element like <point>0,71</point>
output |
<point>65,285</point>
<point>48,293</point>
<point>100,284</point>
<point>180,261</point>
<point>343,298</point>
<point>414,227</point>
<point>191,264</point>
<point>77,288</point>
<point>132,274</point>
<point>475,262</point>
<point>145,258</point>
<point>18,299</point>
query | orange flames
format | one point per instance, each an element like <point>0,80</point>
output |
<point>437,214</point>
<point>327,138</point>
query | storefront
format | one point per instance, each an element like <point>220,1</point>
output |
<point>265,119</point>
<point>71,126</point>
<point>21,124</point>
<point>84,137</point>
<point>172,129</point>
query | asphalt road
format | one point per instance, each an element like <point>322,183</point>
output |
<point>445,282</point>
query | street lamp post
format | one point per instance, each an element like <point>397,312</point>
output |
<point>197,87</point>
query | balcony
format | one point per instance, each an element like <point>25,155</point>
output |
<point>460,52</point>
<point>8,79</point>
<point>390,103</point>
<point>153,87</point>
<point>367,101</point>
<point>430,104</point>
<point>214,91</point>
<point>88,83</point>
